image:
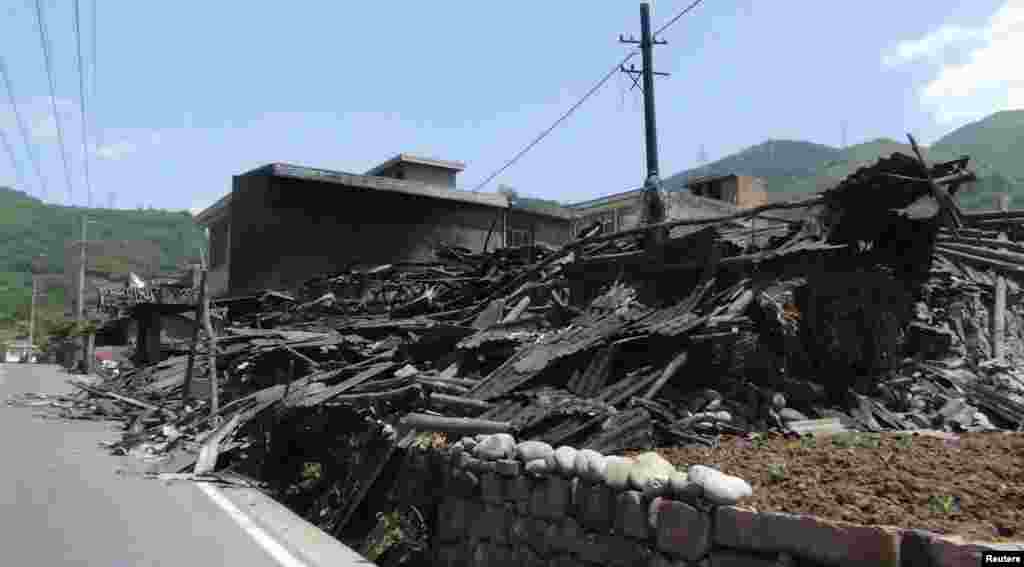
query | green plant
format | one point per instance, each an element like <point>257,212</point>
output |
<point>844,440</point>
<point>808,441</point>
<point>387,533</point>
<point>312,471</point>
<point>946,504</point>
<point>758,440</point>
<point>902,441</point>
<point>776,472</point>
<point>867,441</point>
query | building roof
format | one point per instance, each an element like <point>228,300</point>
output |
<point>373,183</point>
<point>606,199</point>
<point>408,158</point>
<point>709,179</point>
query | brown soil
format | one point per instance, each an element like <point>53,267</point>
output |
<point>973,486</point>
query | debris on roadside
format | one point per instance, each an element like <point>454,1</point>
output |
<point>869,314</point>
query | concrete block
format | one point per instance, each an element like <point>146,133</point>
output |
<point>519,531</point>
<point>594,549</point>
<point>625,552</point>
<point>527,557</point>
<point>682,530</point>
<point>550,498</point>
<point>518,488</point>
<point>730,558</point>
<point>825,541</point>
<point>492,488</point>
<point>452,555</point>
<point>631,515</point>
<point>595,505</point>
<point>508,467</point>
<point>537,535</point>
<point>455,515</point>
<point>492,524</point>
<point>661,560</point>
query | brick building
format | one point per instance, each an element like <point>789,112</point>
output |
<point>744,191</point>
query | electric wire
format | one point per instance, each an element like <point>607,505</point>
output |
<point>29,148</point>
<point>81,105</point>
<point>561,119</point>
<point>53,97</point>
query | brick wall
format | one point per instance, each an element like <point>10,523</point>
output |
<point>494,504</point>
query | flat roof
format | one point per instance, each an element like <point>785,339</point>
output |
<point>370,182</point>
<point>409,158</point>
<point>606,199</point>
<point>709,179</point>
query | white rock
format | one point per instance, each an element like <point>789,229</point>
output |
<point>790,414</point>
<point>650,473</point>
<point>616,473</point>
<point>537,466</point>
<point>494,447</point>
<point>532,450</point>
<point>719,488</point>
<point>590,465</point>
<point>563,460</point>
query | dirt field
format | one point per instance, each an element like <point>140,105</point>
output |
<point>972,486</point>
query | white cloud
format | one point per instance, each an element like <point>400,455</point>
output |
<point>116,150</point>
<point>987,79</point>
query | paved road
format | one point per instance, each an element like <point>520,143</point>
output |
<point>63,503</point>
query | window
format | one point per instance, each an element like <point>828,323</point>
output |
<point>518,237</point>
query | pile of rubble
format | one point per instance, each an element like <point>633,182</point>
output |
<point>849,317</point>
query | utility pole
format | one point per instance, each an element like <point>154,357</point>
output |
<point>32,319</point>
<point>655,200</point>
<point>81,273</point>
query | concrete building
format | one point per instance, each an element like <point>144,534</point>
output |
<point>744,191</point>
<point>622,211</point>
<point>283,224</point>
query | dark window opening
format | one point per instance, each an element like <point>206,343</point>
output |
<point>219,244</point>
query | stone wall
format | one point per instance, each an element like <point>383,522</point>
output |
<point>496,502</point>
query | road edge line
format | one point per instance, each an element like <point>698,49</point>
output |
<point>277,552</point>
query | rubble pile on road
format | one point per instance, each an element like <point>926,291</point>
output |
<point>848,318</point>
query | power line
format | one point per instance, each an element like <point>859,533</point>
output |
<point>14,159</point>
<point>53,97</point>
<point>677,16</point>
<point>97,132</point>
<point>29,148</point>
<point>561,119</point>
<point>81,103</point>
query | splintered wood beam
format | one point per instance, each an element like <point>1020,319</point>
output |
<point>667,374</point>
<point>951,213</point>
<point>455,425</point>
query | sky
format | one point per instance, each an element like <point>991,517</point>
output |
<point>182,95</point>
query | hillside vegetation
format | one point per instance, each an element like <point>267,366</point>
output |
<point>147,241</point>
<point>794,169</point>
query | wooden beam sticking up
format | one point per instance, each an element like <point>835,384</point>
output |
<point>950,212</point>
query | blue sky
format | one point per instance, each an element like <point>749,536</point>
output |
<point>189,93</point>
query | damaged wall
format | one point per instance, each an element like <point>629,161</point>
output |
<point>284,231</point>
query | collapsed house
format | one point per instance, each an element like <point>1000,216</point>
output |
<point>869,312</point>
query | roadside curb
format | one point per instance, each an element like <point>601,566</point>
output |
<point>290,539</point>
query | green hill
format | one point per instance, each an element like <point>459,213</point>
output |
<point>139,240</point>
<point>794,169</point>
<point>778,162</point>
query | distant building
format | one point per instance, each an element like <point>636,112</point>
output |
<point>622,211</point>
<point>283,224</point>
<point>744,191</point>
<point>18,351</point>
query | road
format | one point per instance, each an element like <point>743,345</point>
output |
<point>62,501</point>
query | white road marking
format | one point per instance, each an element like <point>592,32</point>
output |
<point>277,551</point>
